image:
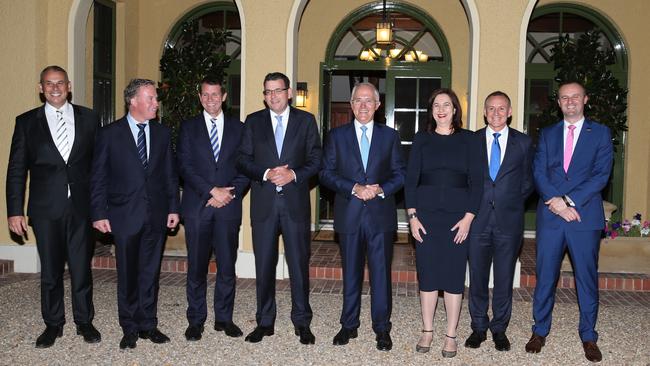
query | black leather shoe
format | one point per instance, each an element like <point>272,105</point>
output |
<point>231,329</point>
<point>475,339</point>
<point>343,336</point>
<point>49,335</point>
<point>384,343</point>
<point>194,332</point>
<point>501,341</point>
<point>535,343</point>
<point>592,352</point>
<point>129,340</point>
<point>154,335</point>
<point>89,332</point>
<point>258,333</point>
<point>305,334</point>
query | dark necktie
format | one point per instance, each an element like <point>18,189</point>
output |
<point>214,139</point>
<point>142,145</point>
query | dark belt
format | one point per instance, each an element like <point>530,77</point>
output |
<point>444,178</point>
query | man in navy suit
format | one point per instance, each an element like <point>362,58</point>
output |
<point>497,231</point>
<point>54,144</point>
<point>280,151</point>
<point>363,164</point>
<point>211,207</point>
<point>134,196</point>
<point>571,167</point>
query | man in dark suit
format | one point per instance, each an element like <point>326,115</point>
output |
<point>280,151</point>
<point>497,231</point>
<point>363,164</point>
<point>53,143</point>
<point>211,207</point>
<point>572,165</point>
<point>134,196</point>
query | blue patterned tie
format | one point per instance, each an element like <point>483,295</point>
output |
<point>214,139</point>
<point>365,147</point>
<point>279,132</point>
<point>142,145</point>
<point>495,157</point>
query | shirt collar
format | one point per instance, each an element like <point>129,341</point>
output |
<point>489,132</point>
<point>284,114</point>
<point>578,124</point>
<point>133,121</point>
<point>208,117</point>
<point>65,108</point>
<point>358,124</point>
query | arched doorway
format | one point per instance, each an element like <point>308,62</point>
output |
<point>547,25</point>
<point>405,72</point>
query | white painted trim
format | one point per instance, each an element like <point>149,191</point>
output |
<point>245,266</point>
<point>292,39</point>
<point>242,76</point>
<point>475,37</point>
<point>521,93</point>
<point>529,234</point>
<point>25,257</point>
<point>77,19</point>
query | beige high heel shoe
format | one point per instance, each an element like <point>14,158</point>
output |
<point>449,354</point>
<point>424,349</point>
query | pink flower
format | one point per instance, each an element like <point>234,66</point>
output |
<point>614,234</point>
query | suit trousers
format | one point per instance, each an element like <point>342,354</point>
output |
<point>205,235</point>
<point>583,248</point>
<point>492,247</point>
<point>297,250</point>
<point>138,258</point>
<point>67,238</point>
<point>379,249</point>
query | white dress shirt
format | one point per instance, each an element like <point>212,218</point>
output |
<point>489,140</point>
<point>219,122</point>
<point>53,121</point>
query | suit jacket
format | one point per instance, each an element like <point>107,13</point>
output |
<point>201,173</point>
<point>33,149</point>
<point>514,182</point>
<point>342,169</point>
<point>122,191</point>
<point>301,151</point>
<point>588,173</point>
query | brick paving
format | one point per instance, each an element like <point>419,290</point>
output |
<point>327,286</point>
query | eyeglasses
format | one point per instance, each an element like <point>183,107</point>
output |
<point>274,91</point>
<point>358,101</point>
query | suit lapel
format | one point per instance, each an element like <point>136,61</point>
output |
<point>78,133</point>
<point>45,129</point>
<point>127,136</point>
<point>584,141</point>
<point>351,136</point>
<point>156,148</point>
<point>376,144</point>
<point>484,153</point>
<point>511,151</point>
<point>291,126</point>
<point>267,130</point>
<point>202,136</point>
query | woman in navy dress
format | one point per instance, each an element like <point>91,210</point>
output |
<point>443,191</point>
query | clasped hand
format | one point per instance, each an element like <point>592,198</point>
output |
<point>366,192</point>
<point>280,175</point>
<point>221,196</point>
<point>557,206</point>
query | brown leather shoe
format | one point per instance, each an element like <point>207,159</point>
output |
<point>535,343</point>
<point>592,352</point>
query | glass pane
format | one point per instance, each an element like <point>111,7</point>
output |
<point>540,90</point>
<point>423,118</point>
<point>405,125</point>
<point>429,46</point>
<point>427,86</point>
<point>349,48</point>
<point>234,85</point>
<point>405,89</point>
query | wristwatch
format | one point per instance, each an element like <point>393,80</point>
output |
<point>412,215</point>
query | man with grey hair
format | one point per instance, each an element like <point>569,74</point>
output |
<point>364,210</point>
<point>134,196</point>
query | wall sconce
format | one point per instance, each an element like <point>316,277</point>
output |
<point>301,94</point>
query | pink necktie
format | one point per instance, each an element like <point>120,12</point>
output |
<point>568,147</point>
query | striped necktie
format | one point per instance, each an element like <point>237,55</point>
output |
<point>142,145</point>
<point>62,143</point>
<point>214,139</point>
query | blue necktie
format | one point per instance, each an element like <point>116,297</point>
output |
<point>279,132</point>
<point>214,139</point>
<point>365,147</point>
<point>142,145</point>
<point>495,157</point>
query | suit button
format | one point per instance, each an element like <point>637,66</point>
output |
<point>494,185</point>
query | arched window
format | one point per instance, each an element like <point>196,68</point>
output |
<point>547,25</point>
<point>406,72</point>
<point>218,15</point>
